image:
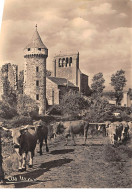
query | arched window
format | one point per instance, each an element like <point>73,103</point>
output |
<point>63,62</point>
<point>59,62</point>
<point>66,61</point>
<point>70,64</point>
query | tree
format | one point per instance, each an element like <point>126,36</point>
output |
<point>98,84</point>
<point>118,81</point>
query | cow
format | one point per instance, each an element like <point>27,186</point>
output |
<point>115,132</point>
<point>130,125</point>
<point>57,129</point>
<point>126,128</point>
<point>102,129</point>
<point>107,123</point>
<point>111,132</point>
<point>72,128</point>
<point>25,140</point>
<point>118,131</point>
<point>42,134</point>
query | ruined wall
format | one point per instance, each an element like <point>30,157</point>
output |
<point>1,85</point>
<point>8,79</point>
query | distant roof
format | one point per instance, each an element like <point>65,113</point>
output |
<point>36,41</point>
<point>61,81</point>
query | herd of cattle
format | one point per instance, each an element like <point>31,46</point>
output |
<point>25,138</point>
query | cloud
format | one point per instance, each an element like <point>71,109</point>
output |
<point>122,15</point>
<point>103,9</point>
<point>99,30</point>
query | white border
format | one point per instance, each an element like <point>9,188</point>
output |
<point>1,11</point>
<point>62,191</point>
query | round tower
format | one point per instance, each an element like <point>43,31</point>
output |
<point>35,54</point>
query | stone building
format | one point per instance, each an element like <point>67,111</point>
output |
<point>67,66</point>
<point>35,54</point>
<point>36,85</point>
<point>126,101</point>
<point>8,79</point>
<point>56,88</point>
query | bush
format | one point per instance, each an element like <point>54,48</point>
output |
<point>26,106</point>
<point>6,111</point>
<point>18,121</point>
<point>54,110</point>
<point>10,164</point>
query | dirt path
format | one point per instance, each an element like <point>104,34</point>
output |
<point>96,165</point>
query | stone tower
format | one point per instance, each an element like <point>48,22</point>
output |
<point>67,66</point>
<point>35,54</point>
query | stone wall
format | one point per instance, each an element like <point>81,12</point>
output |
<point>35,79</point>
<point>66,66</point>
<point>126,101</point>
<point>1,86</point>
<point>65,89</point>
<point>52,92</point>
<point>8,79</point>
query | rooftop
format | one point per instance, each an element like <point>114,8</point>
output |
<point>61,81</point>
<point>36,41</point>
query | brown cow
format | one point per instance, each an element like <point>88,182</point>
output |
<point>71,128</point>
<point>25,140</point>
<point>42,133</point>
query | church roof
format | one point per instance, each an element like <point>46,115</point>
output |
<point>36,41</point>
<point>61,81</point>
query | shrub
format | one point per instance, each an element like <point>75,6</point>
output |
<point>26,106</point>
<point>18,121</point>
<point>6,111</point>
<point>54,110</point>
<point>11,164</point>
<point>111,154</point>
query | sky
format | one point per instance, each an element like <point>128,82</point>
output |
<point>101,30</point>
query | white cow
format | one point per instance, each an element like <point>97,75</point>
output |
<point>111,130</point>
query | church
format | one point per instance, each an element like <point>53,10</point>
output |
<point>66,74</point>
